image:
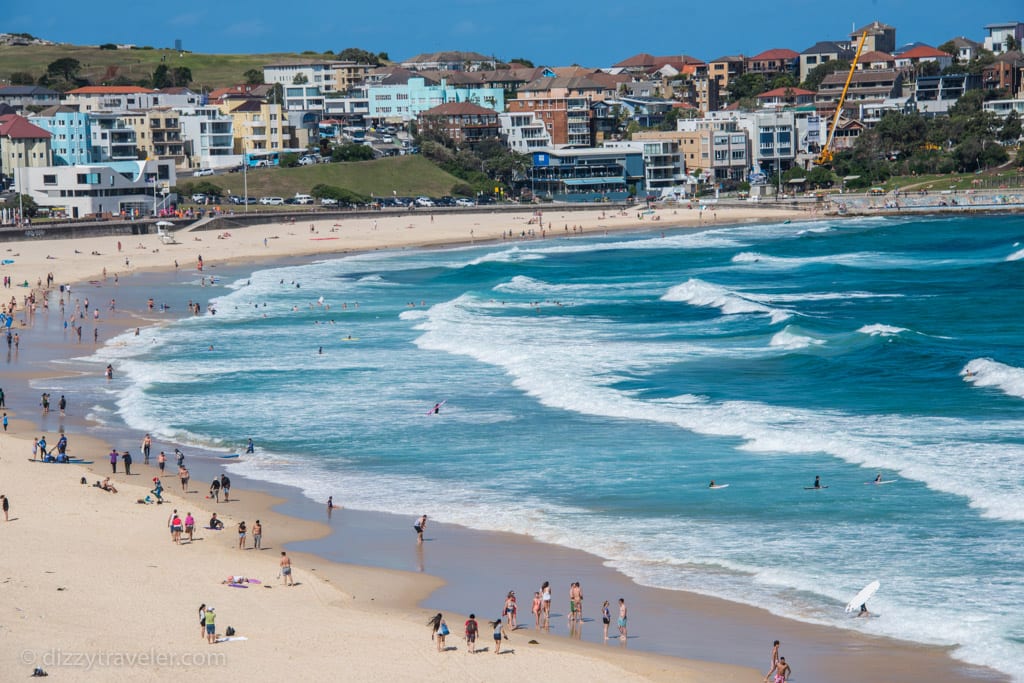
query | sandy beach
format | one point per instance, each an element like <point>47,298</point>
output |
<point>76,552</point>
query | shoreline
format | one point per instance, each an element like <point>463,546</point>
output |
<point>934,660</point>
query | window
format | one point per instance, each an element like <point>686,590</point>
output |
<point>50,179</point>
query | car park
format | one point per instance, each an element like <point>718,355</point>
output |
<point>272,201</point>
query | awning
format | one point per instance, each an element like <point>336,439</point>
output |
<point>573,182</point>
<point>797,181</point>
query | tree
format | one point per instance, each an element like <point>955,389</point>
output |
<point>300,79</point>
<point>521,61</point>
<point>289,160</point>
<point>65,67</point>
<point>108,46</point>
<point>181,76</point>
<point>27,204</point>
<point>949,47</point>
<point>161,77</point>
<point>816,75</point>
<point>253,77</point>
<point>361,56</point>
<point>352,152</point>
<point>22,78</point>
<point>747,85</point>
<point>1011,129</point>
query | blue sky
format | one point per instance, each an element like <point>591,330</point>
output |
<point>551,32</point>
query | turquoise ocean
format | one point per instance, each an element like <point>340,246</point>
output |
<point>595,385</point>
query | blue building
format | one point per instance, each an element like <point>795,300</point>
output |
<point>586,175</point>
<point>71,130</point>
<point>401,102</point>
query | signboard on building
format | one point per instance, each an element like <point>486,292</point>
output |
<point>814,130</point>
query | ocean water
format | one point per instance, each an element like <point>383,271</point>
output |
<point>594,386</point>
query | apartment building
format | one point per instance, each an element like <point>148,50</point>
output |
<point>22,145</point>
<point>157,134</point>
<point>775,61</point>
<point>257,125</point>
<point>131,188</point>
<point>210,136</point>
<point>465,123</point>
<point>723,69</point>
<point>586,175</point>
<point>71,134</point>
<point>1003,36</point>
<point>450,60</point>
<point>821,53</point>
<point>664,166</point>
<point>563,104</point>
<point>21,97</point>
<point>524,133</point>
<point>112,98</point>
<point>403,102</point>
<point>113,139</point>
<point>870,86</point>
<point>880,37</point>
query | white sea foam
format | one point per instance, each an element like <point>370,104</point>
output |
<point>790,340</point>
<point>880,330</point>
<point>1016,256</point>
<point>700,293</point>
<point>985,372</point>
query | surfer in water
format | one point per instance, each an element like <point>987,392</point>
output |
<point>878,479</point>
<point>817,482</point>
<point>863,610</point>
<point>437,408</point>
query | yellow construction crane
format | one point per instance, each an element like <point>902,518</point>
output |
<point>826,151</point>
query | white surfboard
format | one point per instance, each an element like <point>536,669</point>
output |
<point>862,597</point>
<point>719,486</point>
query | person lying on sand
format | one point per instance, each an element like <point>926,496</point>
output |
<point>237,580</point>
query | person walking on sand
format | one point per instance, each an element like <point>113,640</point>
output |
<point>286,569</point>
<point>161,462</point>
<point>781,671</point>
<point>202,620</point>
<point>184,475</point>
<point>225,486</point>
<point>62,404</point>
<point>6,505</point>
<point>471,629</point>
<point>775,660</point>
<point>499,633</point>
<point>535,608</point>
<point>575,603</point>
<point>606,617</point>
<point>215,490</point>
<point>211,630</point>
<point>257,535</point>
<point>241,535</point>
<point>623,619</point>
<point>510,610</point>
<point>438,631</point>
<point>176,527</point>
<point>113,460</point>
<point>126,458</point>
<point>147,445</point>
<point>419,525</point>
<point>190,525</point>
<point>545,601</point>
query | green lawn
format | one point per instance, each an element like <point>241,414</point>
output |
<point>405,176</point>
<point>102,66</point>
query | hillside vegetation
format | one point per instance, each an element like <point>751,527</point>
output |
<point>101,67</point>
<point>405,176</point>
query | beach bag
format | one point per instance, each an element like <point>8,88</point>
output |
<point>444,630</point>
<point>229,632</point>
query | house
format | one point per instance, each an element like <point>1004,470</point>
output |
<point>936,94</point>
<point>664,167</point>
<point>966,49</point>
<point>133,188</point>
<point>774,61</point>
<point>1005,71</point>
<point>1004,107</point>
<point>922,54</point>
<point>822,52</point>
<point>723,69</point>
<point>880,37</point>
<point>1004,37</point>
<point>70,134</point>
<point>452,60</point>
<point>22,97</point>
<point>465,123</point>
<point>317,73</point>
<point>645,64</point>
<point>112,98</point>
<point>876,59</point>
<point>22,145</point>
<point>781,97</point>
<point>717,144</point>
<point>866,86</point>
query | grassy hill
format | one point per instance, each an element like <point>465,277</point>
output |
<point>405,176</point>
<point>102,66</point>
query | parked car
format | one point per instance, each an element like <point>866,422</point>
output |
<point>307,160</point>
<point>202,172</point>
<point>464,201</point>
<point>272,201</point>
<point>199,198</point>
<point>445,201</point>
<point>328,201</point>
<point>303,198</point>
<point>424,201</point>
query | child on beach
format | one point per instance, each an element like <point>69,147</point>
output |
<point>536,610</point>
<point>499,633</point>
<point>471,628</point>
<point>438,631</point>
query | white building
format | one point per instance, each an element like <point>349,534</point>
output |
<point>210,136</point>
<point>524,132</point>
<point>112,98</point>
<point>113,139</point>
<point>128,188</point>
<point>664,166</point>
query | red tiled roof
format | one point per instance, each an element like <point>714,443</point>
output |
<point>18,128</point>
<point>786,92</point>
<point>876,56</point>
<point>922,52</point>
<point>778,53</point>
<point>109,90</point>
<point>459,109</point>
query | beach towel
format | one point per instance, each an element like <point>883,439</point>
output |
<point>224,639</point>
